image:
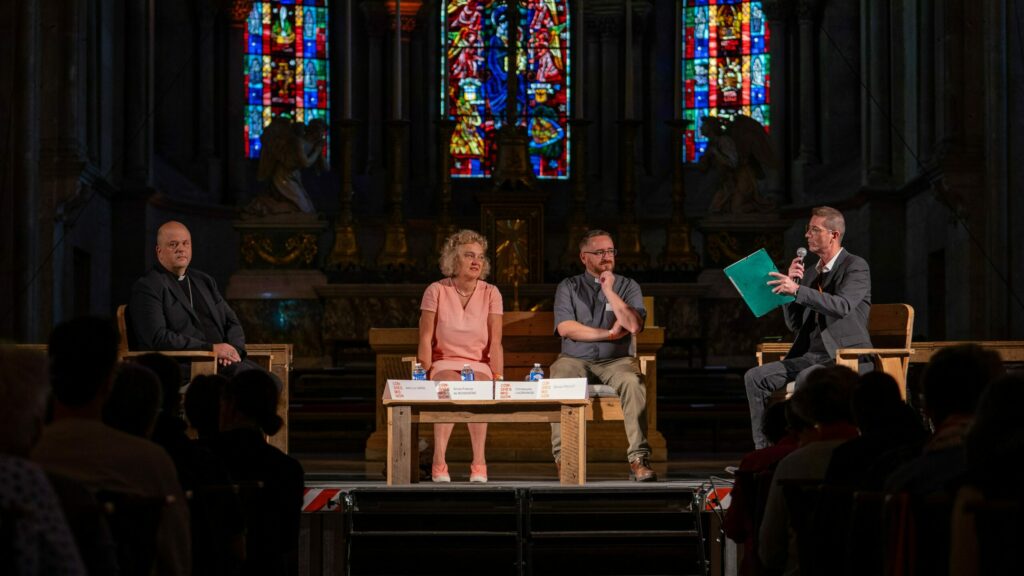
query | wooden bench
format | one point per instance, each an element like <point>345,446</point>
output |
<point>528,337</point>
<point>404,416</point>
<point>891,327</point>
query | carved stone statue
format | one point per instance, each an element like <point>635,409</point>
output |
<point>288,148</point>
<point>739,152</point>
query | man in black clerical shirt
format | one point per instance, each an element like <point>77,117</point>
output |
<point>177,308</point>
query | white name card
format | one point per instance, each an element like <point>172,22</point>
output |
<point>563,389</point>
<point>465,390</point>
<point>516,390</point>
<point>546,389</point>
<point>444,390</point>
<point>411,390</point>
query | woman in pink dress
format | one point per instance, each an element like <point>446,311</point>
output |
<point>460,323</point>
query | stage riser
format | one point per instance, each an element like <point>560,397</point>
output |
<point>505,530</point>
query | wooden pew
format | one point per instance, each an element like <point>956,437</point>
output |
<point>528,337</point>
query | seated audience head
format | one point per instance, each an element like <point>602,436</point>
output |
<point>250,399</point>
<point>134,400</point>
<point>824,397</point>
<point>455,256</point>
<point>202,403</point>
<point>83,353</point>
<point>24,391</point>
<point>955,378</point>
<point>168,370</point>
<point>775,427</point>
<point>995,440</point>
<point>876,400</point>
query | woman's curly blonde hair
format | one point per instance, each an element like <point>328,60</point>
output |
<point>449,259</point>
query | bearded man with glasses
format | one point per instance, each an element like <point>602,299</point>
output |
<point>596,313</point>
<point>833,300</point>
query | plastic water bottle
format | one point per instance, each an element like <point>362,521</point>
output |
<point>536,373</point>
<point>467,372</point>
<point>419,372</point>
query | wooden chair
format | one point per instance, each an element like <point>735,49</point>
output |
<point>274,358</point>
<point>891,327</point>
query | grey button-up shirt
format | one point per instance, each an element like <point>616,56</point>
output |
<point>580,298</point>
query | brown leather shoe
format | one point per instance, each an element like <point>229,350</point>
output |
<point>640,470</point>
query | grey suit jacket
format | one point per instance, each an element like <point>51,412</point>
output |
<point>844,303</point>
<point>161,318</point>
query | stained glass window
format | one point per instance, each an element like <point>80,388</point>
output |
<point>725,65</point>
<point>475,67</point>
<point>285,66</point>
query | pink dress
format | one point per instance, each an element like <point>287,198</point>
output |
<point>460,334</point>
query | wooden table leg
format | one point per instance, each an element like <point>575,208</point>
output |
<point>399,439</point>
<point>574,445</point>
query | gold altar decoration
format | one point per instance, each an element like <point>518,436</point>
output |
<point>346,247</point>
<point>298,248</point>
<point>511,253</point>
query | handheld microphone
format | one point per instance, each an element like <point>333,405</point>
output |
<point>801,252</point>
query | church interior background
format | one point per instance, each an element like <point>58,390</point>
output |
<point>118,116</point>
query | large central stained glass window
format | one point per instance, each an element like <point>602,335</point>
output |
<point>725,65</point>
<point>475,67</point>
<point>285,66</point>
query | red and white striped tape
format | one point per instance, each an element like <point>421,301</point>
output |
<point>321,499</point>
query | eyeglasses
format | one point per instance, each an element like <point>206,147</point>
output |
<point>602,253</point>
<point>816,230</point>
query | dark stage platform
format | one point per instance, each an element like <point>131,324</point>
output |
<point>521,522</point>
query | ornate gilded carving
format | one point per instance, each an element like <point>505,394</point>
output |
<point>513,259</point>
<point>299,248</point>
<point>723,247</point>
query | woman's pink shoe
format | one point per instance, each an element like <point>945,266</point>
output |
<point>439,473</point>
<point>478,473</point>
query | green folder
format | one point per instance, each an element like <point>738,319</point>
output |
<point>750,277</point>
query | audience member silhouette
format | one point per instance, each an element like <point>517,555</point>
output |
<point>994,448</point>
<point>35,538</point>
<point>887,426</point>
<point>77,444</point>
<point>202,405</point>
<point>953,381</point>
<point>218,539</point>
<point>740,521</point>
<point>248,413</point>
<point>824,403</point>
<point>134,401</point>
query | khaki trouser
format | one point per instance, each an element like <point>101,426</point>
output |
<point>622,375</point>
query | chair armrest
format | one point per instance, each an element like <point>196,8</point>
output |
<point>888,352</point>
<point>195,355</point>
<point>772,351</point>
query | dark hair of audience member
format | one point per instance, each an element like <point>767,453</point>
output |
<point>254,395</point>
<point>202,403</point>
<point>134,400</point>
<point>24,390</point>
<point>994,444</point>
<point>824,397</point>
<point>876,400</point>
<point>955,378</point>
<point>169,371</point>
<point>83,352</point>
<point>775,426</point>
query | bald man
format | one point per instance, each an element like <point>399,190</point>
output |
<point>174,307</point>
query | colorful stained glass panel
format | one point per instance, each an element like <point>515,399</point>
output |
<point>726,68</point>
<point>286,66</point>
<point>475,66</point>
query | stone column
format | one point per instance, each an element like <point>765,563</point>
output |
<point>24,308</point>
<point>926,82</point>
<point>138,94</point>
<point>236,162</point>
<point>807,14</point>
<point>877,100</point>
<point>779,14</point>
<point>445,227</point>
<point>207,101</point>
